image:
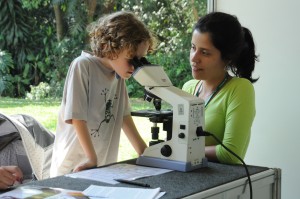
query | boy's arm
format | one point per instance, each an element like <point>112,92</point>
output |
<point>86,144</point>
<point>133,135</point>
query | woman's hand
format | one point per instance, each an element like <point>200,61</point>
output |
<point>9,175</point>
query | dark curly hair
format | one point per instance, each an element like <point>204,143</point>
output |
<point>233,41</point>
<point>113,33</point>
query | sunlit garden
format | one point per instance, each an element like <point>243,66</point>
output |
<point>40,38</point>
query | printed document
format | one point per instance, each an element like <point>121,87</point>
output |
<point>118,171</point>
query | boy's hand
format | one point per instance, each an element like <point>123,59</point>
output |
<point>85,141</point>
<point>9,175</point>
<point>86,165</point>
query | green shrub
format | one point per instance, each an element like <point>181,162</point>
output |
<point>38,92</point>
<point>6,64</point>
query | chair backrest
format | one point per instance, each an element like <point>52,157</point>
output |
<point>37,141</point>
<point>12,151</point>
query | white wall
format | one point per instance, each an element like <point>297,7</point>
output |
<point>275,140</point>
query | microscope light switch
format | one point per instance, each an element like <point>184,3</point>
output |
<point>182,126</point>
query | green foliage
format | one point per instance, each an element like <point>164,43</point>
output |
<point>24,33</point>
<point>39,92</point>
<point>63,53</point>
<point>28,33</point>
<point>15,31</point>
<point>13,23</point>
<point>34,4</point>
<point>176,65</point>
<point>6,64</point>
<point>172,22</point>
<point>76,17</point>
<point>134,89</point>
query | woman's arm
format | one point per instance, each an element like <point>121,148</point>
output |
<point>211,154</point>
<point>240,114</point>
<point>86,144</point>
<point>133,135</point>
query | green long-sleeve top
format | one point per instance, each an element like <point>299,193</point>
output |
<point>229,116</point>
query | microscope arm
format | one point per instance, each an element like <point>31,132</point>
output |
<point>185,151</point>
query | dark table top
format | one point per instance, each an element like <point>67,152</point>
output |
<point>176,184</point>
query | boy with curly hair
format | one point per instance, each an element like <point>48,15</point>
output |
<point>95,104</point>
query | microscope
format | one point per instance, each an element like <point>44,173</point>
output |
<point>183,149</point>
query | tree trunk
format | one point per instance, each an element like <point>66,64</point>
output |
<point>59,22</point>
<point>91,4</point>
<point>195,12</point>
<point>109,6</point>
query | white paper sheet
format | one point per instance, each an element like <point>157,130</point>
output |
<point>118,171</point>
<point>122,192</point>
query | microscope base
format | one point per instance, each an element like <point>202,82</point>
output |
<point>169,164</point>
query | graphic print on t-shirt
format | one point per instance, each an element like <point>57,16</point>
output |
<point>108,115</point>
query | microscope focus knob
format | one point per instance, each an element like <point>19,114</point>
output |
<point>181,135</point>
<point>166,150</point>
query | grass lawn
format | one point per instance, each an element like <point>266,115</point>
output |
<point>45,111</point>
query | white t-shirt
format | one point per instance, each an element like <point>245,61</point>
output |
<point>91,93</point>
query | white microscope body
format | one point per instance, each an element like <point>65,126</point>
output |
<point>185,151</point>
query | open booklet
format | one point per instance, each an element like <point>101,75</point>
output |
<point>39,192</point>
<point>92,192</point>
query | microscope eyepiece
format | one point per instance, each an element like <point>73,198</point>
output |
<point>136,62</point>
<point>144,61</point>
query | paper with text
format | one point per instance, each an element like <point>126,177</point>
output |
<point>118,171</point>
